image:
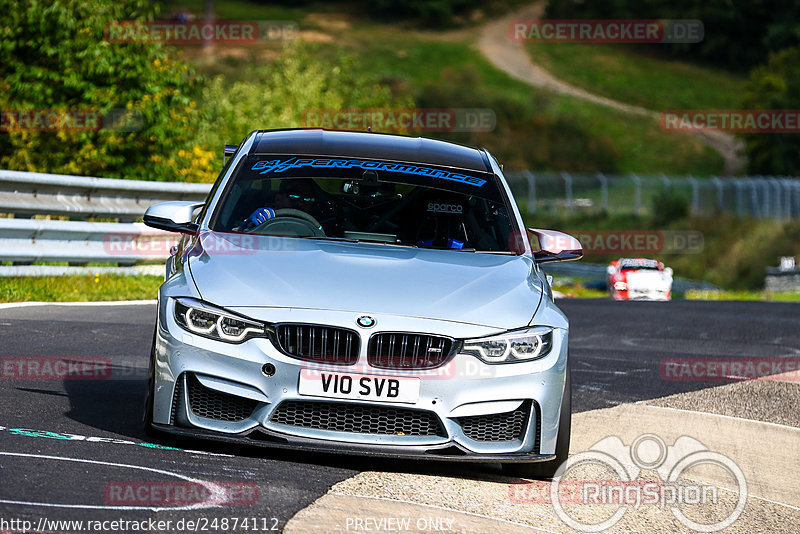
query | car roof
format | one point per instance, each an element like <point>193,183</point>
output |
<point>381,146</point>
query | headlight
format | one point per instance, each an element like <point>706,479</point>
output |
<point>620,286</point>
<point>209,321</point>
<point>511,347</point>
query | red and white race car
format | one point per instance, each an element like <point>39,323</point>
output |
<point>639,279</point>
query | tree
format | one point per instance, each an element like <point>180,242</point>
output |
<point>775,85</point>
<point>738,34</point>
<point>287,92</point>
<point>55,56</point>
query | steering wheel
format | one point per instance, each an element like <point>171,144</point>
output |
<point>292,223</point>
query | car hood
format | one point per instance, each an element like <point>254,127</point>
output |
<point>233,270</point>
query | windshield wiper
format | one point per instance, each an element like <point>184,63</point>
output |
<point>327,238</point>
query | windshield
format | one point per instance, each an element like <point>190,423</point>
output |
<point>349,199</point>
<point>639,265</point>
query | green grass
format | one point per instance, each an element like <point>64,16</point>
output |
<point>637,77</point>
<point>579,292</point>
<point>771,296</point>
<point>642,146</point>
<point>79,288</point>
<point>558,132</point>
<point>735,254</point>
<point>408,59</point>
<point>238,10</point>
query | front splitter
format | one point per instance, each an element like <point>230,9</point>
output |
<point>271,440</point>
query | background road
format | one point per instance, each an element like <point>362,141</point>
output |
<point>615,348</point>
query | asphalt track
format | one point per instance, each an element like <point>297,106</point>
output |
<point>53,466</point>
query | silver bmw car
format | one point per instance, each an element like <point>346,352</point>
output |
<point>362,293</point>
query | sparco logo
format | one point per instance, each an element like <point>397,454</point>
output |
<point>445,208</point>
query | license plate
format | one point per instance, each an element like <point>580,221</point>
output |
<point>359,387</point>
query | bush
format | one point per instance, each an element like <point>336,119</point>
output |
<point>279,94</point>
<point>526,136</point>
<point>669,206</point>
<point>738,35</point>
<point>53,56</point>
<point>437,13</point>
<point>775,85</point>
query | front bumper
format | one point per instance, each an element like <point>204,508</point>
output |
<point>643,294</point>
<point>463,390</point>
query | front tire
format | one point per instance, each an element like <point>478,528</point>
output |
<point>547,470</point>
<point>147,417</point>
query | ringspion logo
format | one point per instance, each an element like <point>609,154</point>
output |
<point>596,504</point>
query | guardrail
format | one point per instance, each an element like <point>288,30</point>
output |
<point>77,242</point>
<point>29,193</point>
<point>24,241</point>
<point>760,197</point>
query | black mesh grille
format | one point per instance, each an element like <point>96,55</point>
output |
<point>357,418</point>
<point>316,343</point>
<point>509,426</point>
<point>176,397</point>
<point>390,350</point>
<point>211,404</point>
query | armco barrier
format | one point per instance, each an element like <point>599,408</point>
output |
<point>77,242</point>
<point>25,240</point>
<point>30,193</point>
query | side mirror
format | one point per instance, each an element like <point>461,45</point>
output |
<point>173,216</point>
<point>668,271</point>
<point>227,152</point>
<point>555,246</point>
<point>611,269</point>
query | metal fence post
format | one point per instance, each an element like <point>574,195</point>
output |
<point>720,193</point>
<point>777,198</point>
<point>787,198</point>
<point>797,197</point>
<point>695,194</point>
<point>667,182</point>
<point>754,198</point>
<point>766,192</point>
<point>792,199</point>
<point>737,183</point>
<point>637,195</point>
<point>568,189</point>
<point>603,191</point>
<point>531,191</point>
